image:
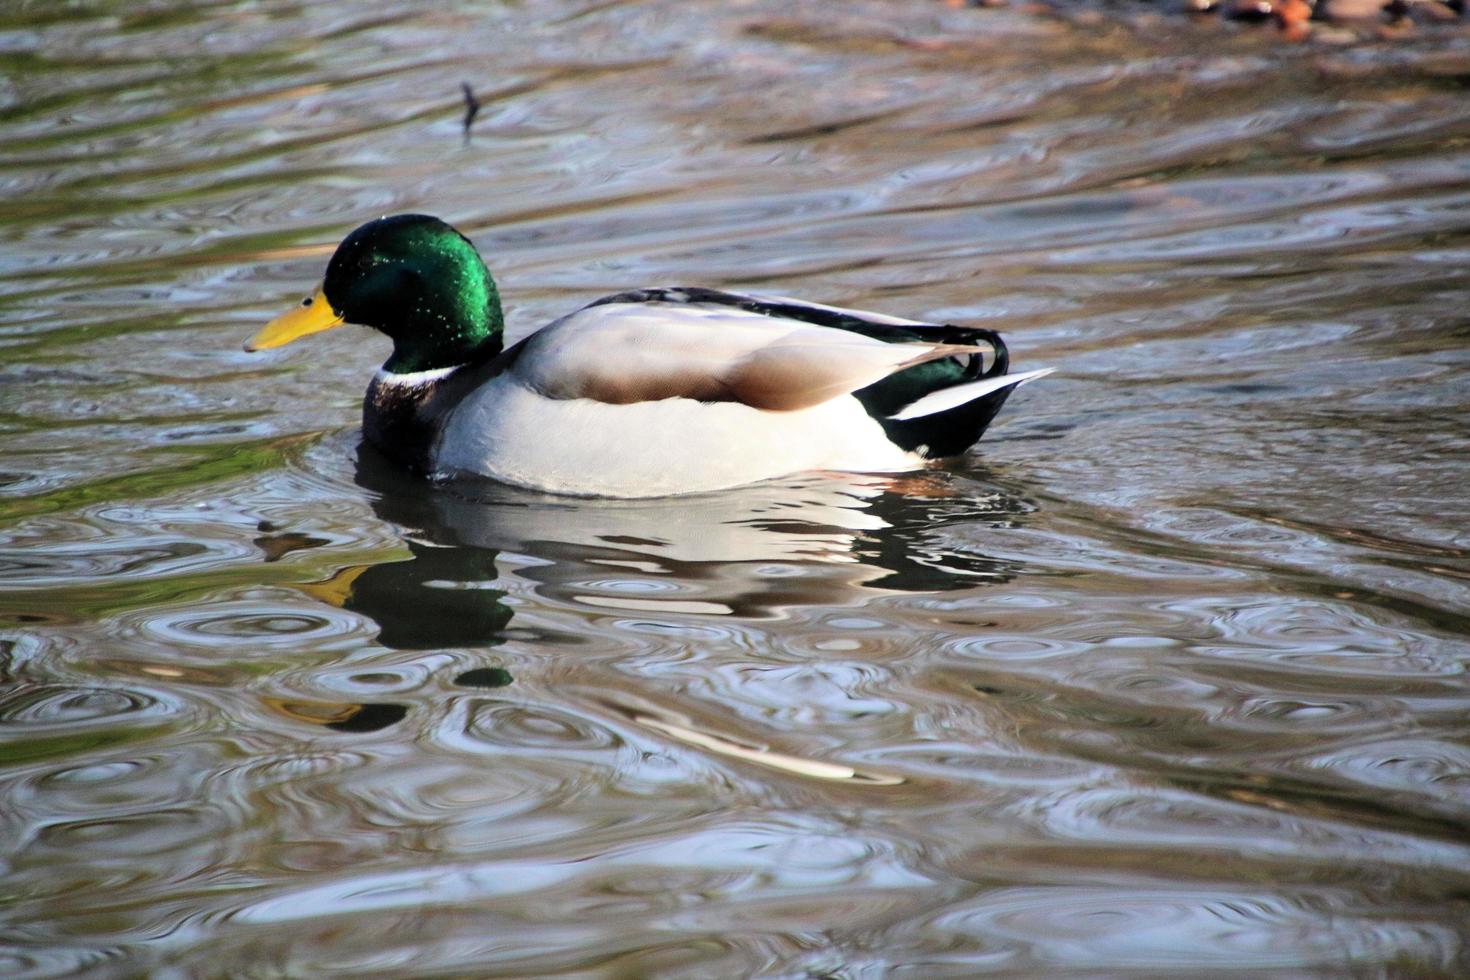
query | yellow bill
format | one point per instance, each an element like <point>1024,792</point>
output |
<point>314,315</point>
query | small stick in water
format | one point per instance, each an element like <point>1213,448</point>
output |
<point>471,108</point>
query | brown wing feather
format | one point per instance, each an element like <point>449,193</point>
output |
<point>620,354</point>
<point>785,378</point>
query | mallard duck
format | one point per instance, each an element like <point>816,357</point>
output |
<point>643,393</point>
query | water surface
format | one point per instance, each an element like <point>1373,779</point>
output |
<point>1168,676</point>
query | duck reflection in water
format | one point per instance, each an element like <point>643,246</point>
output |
<point>823,539</point>
<point>436,598</point>
<point>754,552</point>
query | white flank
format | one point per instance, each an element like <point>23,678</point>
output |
<point>947,398</point>
<point>653,449</point>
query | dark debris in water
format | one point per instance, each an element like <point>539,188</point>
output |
<point>1330,21</point>
<point>471,108</point>
<point>484,677</point>
<point>372,717</point>
<point>356,718</point>
<point>277,546</point>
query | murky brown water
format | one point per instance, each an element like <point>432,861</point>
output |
<point>1170,676</point>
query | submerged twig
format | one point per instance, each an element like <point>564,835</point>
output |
<point>471,108</point>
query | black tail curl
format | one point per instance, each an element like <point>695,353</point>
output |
<point>950,432</point>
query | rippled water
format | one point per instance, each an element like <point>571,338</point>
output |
<point>1170,675</point>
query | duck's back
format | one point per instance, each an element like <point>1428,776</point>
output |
<point>667,391</point>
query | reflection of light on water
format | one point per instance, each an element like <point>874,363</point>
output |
<point>653,568</point>
<point>653,715</point>
<point>335,590</point>
<point>760,755</point>
<point>655,605</point>
<point>764,757</point>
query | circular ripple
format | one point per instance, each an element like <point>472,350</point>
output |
<point>247,625</point>
<point>523,727</point>
<point>59,705</point>
<point>1421,765</point>
<point>157,832</point>
<point>257,626</point>
<point>20,963</point>
<point>346,203</point>
<point>1159,818</point>
<point>1183,930</point>
<point>97,774</point>
<point>112,787</point>
<point>634,586</point>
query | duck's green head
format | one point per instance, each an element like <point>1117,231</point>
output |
<point>414,278</point>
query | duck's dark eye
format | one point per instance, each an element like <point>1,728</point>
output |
<point>306,302</point>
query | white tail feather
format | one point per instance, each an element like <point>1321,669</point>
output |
<point>947,398</point>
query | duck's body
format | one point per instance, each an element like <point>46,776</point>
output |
<point>651,448</point>
<point>646,393</point>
